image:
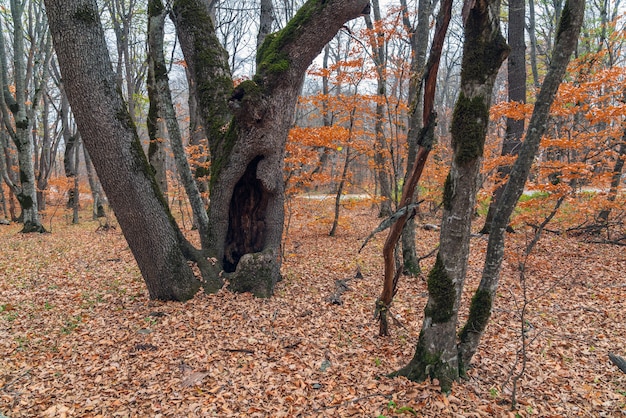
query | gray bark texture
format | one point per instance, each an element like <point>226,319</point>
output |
<point>516,74</point>
<point>26,192</point>
<point>113,144</point>
<point>162,107</point>
<point>482,302</point>
<point>436,354</point>
<point>419,48</point>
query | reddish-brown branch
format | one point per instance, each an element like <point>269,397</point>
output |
<point>425,140</point>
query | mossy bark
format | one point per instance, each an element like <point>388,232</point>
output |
<point>565,45</point>
<point>436,354</point>
<point>248,127</point>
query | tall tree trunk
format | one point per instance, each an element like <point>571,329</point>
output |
<point>265,21</point>
<point>419,47</point>
<point>516,73</point>
<point>484,50</point>
<point>26,192</point>
<point>425,141</point>
<point>482,301</point>
<point>161,99</point>
<point>616,178</point>
<point>532,36</point>
<point>151,232</point>
<point>377,43</point>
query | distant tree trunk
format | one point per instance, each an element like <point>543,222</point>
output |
<point>161,100</point>
<point>425,141</point>
<point>532,35</point>
<point>265,22</point>
<point>94,185</point>
<point>342,182</point>
<point>70,164</point>
<point>516,73</point>
<point>419,47</point>
<point>484,50</point>
<point>76,206</point>
<point>482,301</point>
<point>616,179</point>
<point>377,43</point>
<point>26,192</point>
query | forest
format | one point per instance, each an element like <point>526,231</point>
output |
<point>312,208</point>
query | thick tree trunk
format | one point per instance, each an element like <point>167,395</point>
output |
<point>516,73</point>
<point>482,302</point>
<point>484,50</point>
<point>247,137</point>
<point>113,144</point>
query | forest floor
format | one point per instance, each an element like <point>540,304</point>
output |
<point>80,338</point>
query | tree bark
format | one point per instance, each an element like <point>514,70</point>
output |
<point>111,139</point>
<point>419,47</point>
<point>425,141</point>
<point>247,129</point>
<point>516,74</point>
<point>161,99</point>
<point>377,43</point>
<point>484,50</point>
<point>26,192</point>
<point>482,302</point>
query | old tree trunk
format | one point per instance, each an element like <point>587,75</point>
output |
<point>247,129</point>
<point>436,354</point>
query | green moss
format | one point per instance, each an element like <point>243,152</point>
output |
<point>272,59</point>
<point>22,124</point>
<point>480,311</point>
<point>448,193</point>
<point>155,8</point>
<point>427,365</point>
<point>483,51</point>
<point>86,14</point>
<point>442,294</point>
<point>469,128</point>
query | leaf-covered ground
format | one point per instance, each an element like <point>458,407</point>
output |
<point>79,337</point>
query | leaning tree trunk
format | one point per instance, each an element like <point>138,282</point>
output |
<point>484,49</point>
<point>111,139</point>
<point>247,130</point>
<point>482,301</point>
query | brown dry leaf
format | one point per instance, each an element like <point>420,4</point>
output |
<point>194,379</point>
